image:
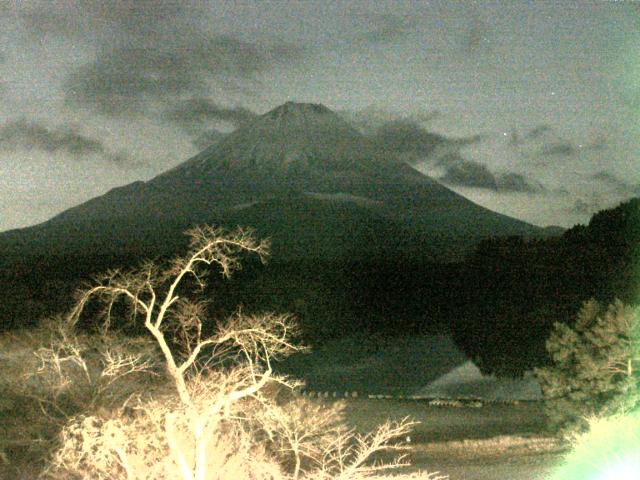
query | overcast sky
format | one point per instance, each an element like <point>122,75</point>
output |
<point>541,100</point>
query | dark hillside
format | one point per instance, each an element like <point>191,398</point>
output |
<point>515,289</point>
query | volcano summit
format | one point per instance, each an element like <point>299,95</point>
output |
<point>298,174</point>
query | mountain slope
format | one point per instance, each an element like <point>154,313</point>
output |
<point>301,175</point>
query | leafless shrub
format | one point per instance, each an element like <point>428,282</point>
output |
<point>78,372</point>
<point>225,414</point>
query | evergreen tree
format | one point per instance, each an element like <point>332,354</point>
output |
<point>594,367</point>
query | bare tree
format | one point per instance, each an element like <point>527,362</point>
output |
<point>221,416</point>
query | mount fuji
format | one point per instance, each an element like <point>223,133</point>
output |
<point>298,174</point>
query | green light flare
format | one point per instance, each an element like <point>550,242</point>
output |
<point>610,450</point>
<point>625,469</point>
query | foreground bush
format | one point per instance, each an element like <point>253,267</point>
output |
<point>49,375</point>
<point>223,413</point>
<point>594,371</point>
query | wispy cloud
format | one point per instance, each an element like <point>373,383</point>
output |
<point>563,149</point>
<point>405,137</point>
<point>469,173</point>
<point>3,83</point>
<point>33,135</point>
<point>544,141</point>
<point>128,78</point>
<point>384,28</point>
<point>199,117</point>
<point>199,112</point>
<point>588,204</point>
<point>611,181</point>
<point>370,120</point>
<point>515,182</point>
<point>148,53</point>
<point>23,134</point>
<point>478,36</point>
<point>538,131</point>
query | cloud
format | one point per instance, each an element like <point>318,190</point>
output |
<point>515,182</point>
<point>78,18</point>
<point>477,38</point>
<point>584,208</point>
<point>3,82</point>
<point>198,117</point>
<point>148,53</point>
<point>448,153</point>
<point>470,174</point>
<point>464,141</point>
<point>126,79</point>
<point>559,148</point>
<point>538,132</point>
<point>40,21</point>
<point>405,137</point>
<point>387,28</point>
<point>543,140</point>
<point>201,111</point>
<point>589,206</point>
<point>618,185</point>
<point>29,135</point>
<point>609,179</point>
<point>23,134</point>
<point>467,173</point>
<point>369,120</point>
<point>408,141</point>
<point>450,156</point>
<point>411,142</point>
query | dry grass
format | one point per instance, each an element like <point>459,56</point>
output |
<point>25,434</point>
<point>503,445</point>
<point>443,424</point>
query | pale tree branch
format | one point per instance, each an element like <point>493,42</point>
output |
<point>220,417</point>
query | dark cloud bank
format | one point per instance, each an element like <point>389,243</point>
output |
<point>620,186</point>
<point>126,79</point>
<point>466,173</point>
<point>159,51</point>
<point>405,137</point>
<point>202,110</point>
<point>196,115</point>
<point>25,134</point>
<point>548,142</point>
<point>148,54</point>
